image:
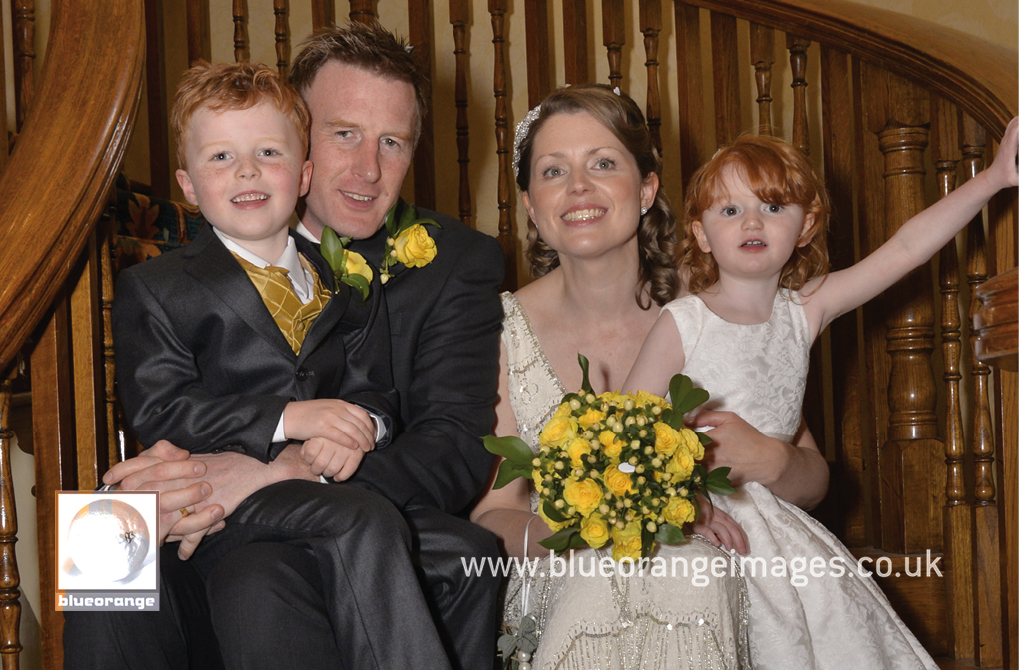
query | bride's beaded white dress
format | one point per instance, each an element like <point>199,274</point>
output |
<point>588,620</point>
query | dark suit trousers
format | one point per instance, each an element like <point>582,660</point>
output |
<point>351,545</point>
<point>283,584</point>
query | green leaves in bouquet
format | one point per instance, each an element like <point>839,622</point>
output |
<point>564,540</point>
<point>585,366</point>
<point>517,457</point>
<point>669,534</point>
<point>684,396</point>
<point>717,481</point>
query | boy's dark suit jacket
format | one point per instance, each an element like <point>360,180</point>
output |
<point>200,361</point>
<point>445,319</point>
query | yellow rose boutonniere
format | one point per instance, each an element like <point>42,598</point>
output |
<point>408,241</point>
<point>349,267</point>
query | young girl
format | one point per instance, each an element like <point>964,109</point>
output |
<point>756,264</point>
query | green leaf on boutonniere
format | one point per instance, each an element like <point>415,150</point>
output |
<point>334,251</point>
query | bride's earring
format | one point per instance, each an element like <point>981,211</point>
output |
<point>643,211</point>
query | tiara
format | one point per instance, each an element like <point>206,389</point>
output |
<point>522,128</point>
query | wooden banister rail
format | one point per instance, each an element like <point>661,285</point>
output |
<point>978,76</point>
<point>67,155</point>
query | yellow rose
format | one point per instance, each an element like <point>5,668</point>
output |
<point>626,542</point>
<point>613,447</point>
<point>681,464</point>
<point>616,397</point>
<point>577,449</point>
<point>666,439</point>
<point>414,247</point>
<point>590,418</point>
<point>679,511</point>
<point>594,530</point>
<point>558,431</point>
<point>564,410</point>
<point>693,443</point>
<point>645,398</point>
<point>585,495</point>
<point>357,265</point>
<point>618,482</point>
<point>555,526</point>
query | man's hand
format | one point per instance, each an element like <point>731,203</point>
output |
<point>335,420</point>
<point>233,478</point>
<point>168,470</point>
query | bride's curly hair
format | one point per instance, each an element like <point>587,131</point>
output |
<point>656,233</point>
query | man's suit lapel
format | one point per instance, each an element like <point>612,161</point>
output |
<point>211,263</point>
<point>334,309</point>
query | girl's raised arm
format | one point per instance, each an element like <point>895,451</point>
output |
<point>914,243</point>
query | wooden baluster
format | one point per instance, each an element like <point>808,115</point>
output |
<point>762,55</point>
<point>613,21</point>
<point>241,50</point>
<point>539,71</point>
<point>420,15</point>
<point>508,240</point>
<point>89,398</point>
<point>958,529</point>
<point>155,95</point>
<point>986,586</point>
<point>725,75</point>
<point>837,117</point>
<point>281,9</point>
<point>199,36</point>
<point>323,13</point>
<point>106,229</point>
<point>10,607</point>
<point>651,25</point>
<point>53,440</point>
<point>361,11</point>
<point>459,15</point>
<point>912,519</point>
<point>798,62</point>
<point>4,133</point>
<point>1003,227</point>
<point>24,58</point>
<point>692,151</point>
<point>575,41</point>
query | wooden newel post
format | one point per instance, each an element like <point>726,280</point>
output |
<point>912,471</point>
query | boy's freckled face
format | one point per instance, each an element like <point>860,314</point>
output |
<point>246,169</point>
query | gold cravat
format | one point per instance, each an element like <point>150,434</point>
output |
<point>293,318</point>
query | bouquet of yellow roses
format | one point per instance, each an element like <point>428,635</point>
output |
<point>616,467</point>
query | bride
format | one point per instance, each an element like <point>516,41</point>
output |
<point>601,244</point>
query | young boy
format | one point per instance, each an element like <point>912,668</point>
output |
<point>236,341</point>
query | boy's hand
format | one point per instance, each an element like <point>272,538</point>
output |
<point>337,421</point>
<point>330,459</point>
<point>1004,169</point>
<point>720,528</point>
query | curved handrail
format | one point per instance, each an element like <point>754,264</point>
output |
<point>979,77</point>
<point>67,155</point>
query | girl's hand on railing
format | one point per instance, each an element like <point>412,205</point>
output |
<point>1004,171</point>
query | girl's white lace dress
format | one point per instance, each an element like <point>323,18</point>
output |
<point>665,619</point>
<point>828,617</point>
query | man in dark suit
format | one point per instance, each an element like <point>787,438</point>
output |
<point>367,99</point>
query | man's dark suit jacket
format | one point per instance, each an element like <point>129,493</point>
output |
<point>200,361</point>
<point>445,319</point>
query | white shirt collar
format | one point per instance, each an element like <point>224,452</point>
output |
<point>303,231</point>
<point>300,278</point>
